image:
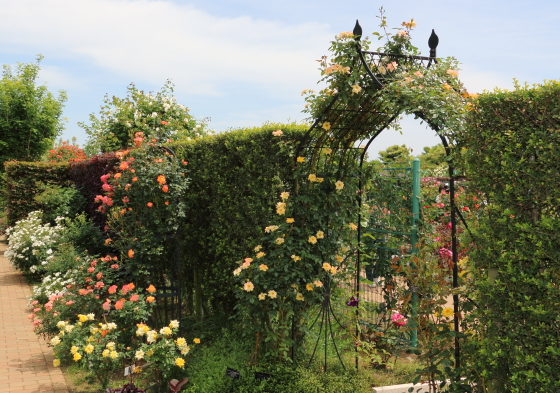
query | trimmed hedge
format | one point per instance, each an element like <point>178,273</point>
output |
<point>510,151</point>
<point>235,181</point>
<point>236,178</point>
<point>23,181</point>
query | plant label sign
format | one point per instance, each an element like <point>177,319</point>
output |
<point>260,376</point>
<point>233,374</point>
<point>127,371</point>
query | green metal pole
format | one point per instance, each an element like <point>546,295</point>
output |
<point>413,241</point>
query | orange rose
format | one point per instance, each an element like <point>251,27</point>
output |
<point>130,253</point>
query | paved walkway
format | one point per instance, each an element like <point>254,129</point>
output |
<point>25,359</point>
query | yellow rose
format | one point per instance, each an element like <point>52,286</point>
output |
<point>180,362</point>
<point>447,312</point>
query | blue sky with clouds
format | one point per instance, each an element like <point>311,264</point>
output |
<point>245,62</point>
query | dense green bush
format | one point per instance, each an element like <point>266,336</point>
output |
<point>516,262</point>
<point>57,201</point>
<point>25,180</point>
<point>236,178</point>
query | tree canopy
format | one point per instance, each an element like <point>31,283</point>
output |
<point>395,153</point>
<point>151,115</point>
<point>30,115</point>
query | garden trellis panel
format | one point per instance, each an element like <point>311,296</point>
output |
<point>392,199</point>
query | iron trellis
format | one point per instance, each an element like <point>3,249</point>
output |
<point>362,120</point>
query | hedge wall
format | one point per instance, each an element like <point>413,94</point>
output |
<point>510,152</point>
<point>235,182</point>
<point>22,184</point>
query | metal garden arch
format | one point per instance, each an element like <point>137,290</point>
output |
<point>363,119</point>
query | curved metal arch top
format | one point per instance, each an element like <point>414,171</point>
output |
<point>368,114</point>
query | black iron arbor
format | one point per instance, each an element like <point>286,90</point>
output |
<point>348,127</point>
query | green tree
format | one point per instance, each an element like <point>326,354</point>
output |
<point>395,153</point>
<point>30,115</point>
<point>155,115</point>
<point>432,157</point>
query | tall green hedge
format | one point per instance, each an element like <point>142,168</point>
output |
<point>23,181</point>
<point>510,152</point>
<point>236,178</point>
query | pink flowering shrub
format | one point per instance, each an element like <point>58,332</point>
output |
<point>143,200</point>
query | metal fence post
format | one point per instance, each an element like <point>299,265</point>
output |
<point>413,241</point>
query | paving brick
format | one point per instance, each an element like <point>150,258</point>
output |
<point>25,358</point>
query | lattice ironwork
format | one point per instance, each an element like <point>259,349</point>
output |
<point>356,124</point>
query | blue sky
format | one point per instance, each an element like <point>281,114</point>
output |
<point>245,62</point>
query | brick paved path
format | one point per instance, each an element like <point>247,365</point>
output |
<point>25,359</point>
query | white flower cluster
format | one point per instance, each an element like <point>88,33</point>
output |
<point>31,242</point>
<point>54,284</point>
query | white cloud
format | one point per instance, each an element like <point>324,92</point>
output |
<point>151,41</point>
<point>56,79</point>
<point>476,80</point>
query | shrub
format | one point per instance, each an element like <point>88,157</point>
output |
<point>66,153</point>
<point>515,264</point>
<point>84,235</point>
<point>57,201</point>
<point>145,205</point>
<point>24,180</point>
<point>154,114</point>
<point>32,243</point>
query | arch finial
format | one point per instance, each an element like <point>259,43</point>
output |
<point>433,42</point>
<point>357,31</point>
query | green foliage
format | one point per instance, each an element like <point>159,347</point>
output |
<point>57,201</point>
<point>433,157</point>
<point>30,115</point>
<point>510,151</point>
<point>146,205</point>
<point>434,94</point>
<point>25,180</point>
<point>395,153</point>
<point>156,115</point>
<point>84,235</point>
<point>236,178</point>
<point>208,366</point>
